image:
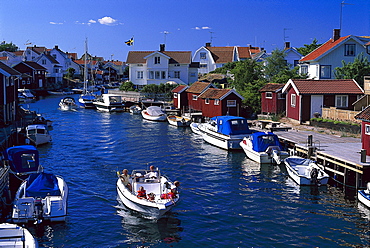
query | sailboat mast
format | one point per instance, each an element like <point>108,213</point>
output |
<point>85,68</point>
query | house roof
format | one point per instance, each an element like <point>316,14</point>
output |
<point>180,57</point>
<point>218,93</point>
<point>179,88</point>
<point>37,49</point>
<point>33,65</point>
<point>364,114</point>
<point>319,87</point>
<point>198,87</point>
<point>247,52</point>
<point>8,71</point>
<point>222,54</point>
<point>271,87</point>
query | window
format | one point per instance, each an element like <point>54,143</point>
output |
<point>163,74</point>
<point>139,64</point>
<point>157,60</point>
<point>195,97</point>
<point>175,95</point>
<point>304,69</point>
<point>293,100</point>
<point>176,64</point>
<point>177,74</point>
<point>341,101</point>
<point>157,74</point>
<point>140,74</point>
<point>349,50</point>
<point>43,61</point>
<point>268,95</point>
<point>207,101</point>
<point>203,66</point>
<point>295,62</point>
<point>231,103</point>
<point>325,71</point>
<point>217,101</point>
<point>151,74</point>
<point>192,74</point>
<point>203,55</point>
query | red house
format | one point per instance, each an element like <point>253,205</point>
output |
<point>193,93</point>
<point>364,116</point>
<point>272,99</point>
<point>216,102</point>
<point>306,97</point>
<point>36,78</point>
<point>179,96</point>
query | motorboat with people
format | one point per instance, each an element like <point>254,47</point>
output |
<point>149,192</point>
<point>305,171</point>
<point>68,103</point>
<point>363,195</point>
<point>110,103</point>
<point>194,128</point>
<point>135,109</point>
<point>13,235</point>
<point>263,148</point>
<point>178,121</point>
<point>154,113</point>
<point>25,95</point>
<point>41,197</point>
<point>225,131</point>
<point>38,134</point>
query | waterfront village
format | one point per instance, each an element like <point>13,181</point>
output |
<point>201,90</point>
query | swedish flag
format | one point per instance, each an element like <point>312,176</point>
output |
<point>130,42</point>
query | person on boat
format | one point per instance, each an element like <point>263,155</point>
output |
<point>125,178</point>
<point>177,185</point>
<point>141,194</point>
<point>152,174</point>
<point>151,196</point>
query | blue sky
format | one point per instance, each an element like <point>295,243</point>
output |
<point>183,25</point>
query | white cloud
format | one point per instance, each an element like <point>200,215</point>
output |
<point>107,21</point>
<point>92,21</point>
<point>201,28</point>
<point>56,23</point>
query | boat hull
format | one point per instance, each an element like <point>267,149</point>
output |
<point>261,157</point>
<point>13,235</point>
<point>194,128</point>
<point>109,108</point>
<point>363,198</point>
<point>301,175</point>
<point>146,116</point>
<point>178,121</point>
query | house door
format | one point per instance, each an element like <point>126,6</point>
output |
<point>40,83</point>
<point>316,104</point>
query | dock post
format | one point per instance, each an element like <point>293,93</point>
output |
<point>363,155</point>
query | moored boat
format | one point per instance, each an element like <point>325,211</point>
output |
<point>38,134</point>
<point>135,109</point>
<point>12,235</point>
<point>305,171</point>
<point>110,103</point>
<point>194,128</point>
<point>43,196</point>
<point>25,95</point>
<point>364,195</point>
<point>178,121</point>
<point>154,113</point>
<point>225,131</point>
<point>160,195</point>
<point>263,148</point>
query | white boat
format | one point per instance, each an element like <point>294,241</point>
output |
<point>305,171</point>
<point>194,128</point>
<point>154,113</point>
<point>25,95</point>
<point>43,196</point>
<point>68,103</point>
<point>61,92</point>
<point>12,235</point>
<point>263,148</point>
<point>110,103</point>
<point>135,109</point>
<point>225,132</point>
<point>178,121</point>
<point>157,188</point>
<point>364,195</point>
<point>38,134</point>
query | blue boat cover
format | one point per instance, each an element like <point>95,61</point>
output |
<point>20,163</point>
<point>230,125</point>
<point>262,140</point>
<point>41,185</point>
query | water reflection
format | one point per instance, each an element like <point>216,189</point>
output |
<point>142,230</point>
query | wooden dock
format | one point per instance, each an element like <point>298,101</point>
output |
<point>339,156</point>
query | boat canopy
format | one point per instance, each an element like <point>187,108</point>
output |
<point>154,110</point>
<point>230,125</point>
<point>23,158</point>
<point>42,185</point>
<point>262,140</point>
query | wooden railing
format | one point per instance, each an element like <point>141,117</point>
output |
<point>339,114</point>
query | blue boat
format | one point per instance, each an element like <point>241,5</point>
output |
<point>225,131</point>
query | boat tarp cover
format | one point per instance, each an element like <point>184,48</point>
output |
<point>18,161</point>
<point>230,125</point>
<point>154,111</point>
<point>262,140</point>
<point>41,185</point>
<point>293,161</point>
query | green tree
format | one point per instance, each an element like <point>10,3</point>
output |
<point>9,47</point>
<point>127,86</point>
<point>356,70</point>
<point>70,73</point>
<point>275,64</point>
<point>224,69</point>
<point>308,48</point>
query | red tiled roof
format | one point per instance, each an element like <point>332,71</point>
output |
<point>179,88</point>
<point>222,54</point>
<point>8,69</point>
<point>247,52</point>
<point>364,114</point>
<point>198,87</point>
<point>214,93</point>
<point>271,87</point>
<point>3,58</point>
<point>323,49</point>
<point>330,86</point>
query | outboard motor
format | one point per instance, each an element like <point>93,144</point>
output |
<point>39,210</point>
<point>314,174</point>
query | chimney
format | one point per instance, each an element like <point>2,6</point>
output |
<point>208,44</point>
<point>287,45</point>
<point>336,34</point>
<point>161,47</point>
<point>56,47</point>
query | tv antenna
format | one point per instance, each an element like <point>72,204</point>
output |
<point>341,13</point>
<point>165,36</point>
<point>211,36</point>
<point>285,29</point>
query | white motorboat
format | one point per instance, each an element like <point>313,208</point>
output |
<point>25,95</point>
<point>178,121</point>
<point>12,235</point>
<point>135,109</point>
<point>305,171</point>
<point>68,103</point>
<point>364,195</point>
<point>225,131</point>
<point>110,103</point>
<point>38,134</point>
<point>157,200</point>
<point>154,113</point>
<point>194,128</point>
<point>263,148</point>
<point>43,196</point>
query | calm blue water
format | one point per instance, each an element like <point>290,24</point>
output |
<point>227,200</point>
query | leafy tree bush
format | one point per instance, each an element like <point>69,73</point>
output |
<point>127,86</point>
<point>9,47</point>
<point>354,70</point>
<point>308,48</point>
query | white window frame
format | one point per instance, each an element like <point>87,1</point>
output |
<point>176,74</point>
<point>293,100</point>
<point>206,101</point>
<point>175,95</point>
<point>231,103</point>
<point>268,95</point>
<point>195,97</point>
<point>217,102</point>
<point>341,101</point>
<point>140,75</point>
<point>350,50</point>
<point>325,71</point>
<point>203,55</point>
<point>157,60</point>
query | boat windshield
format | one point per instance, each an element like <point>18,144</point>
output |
<point>144,175</point>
